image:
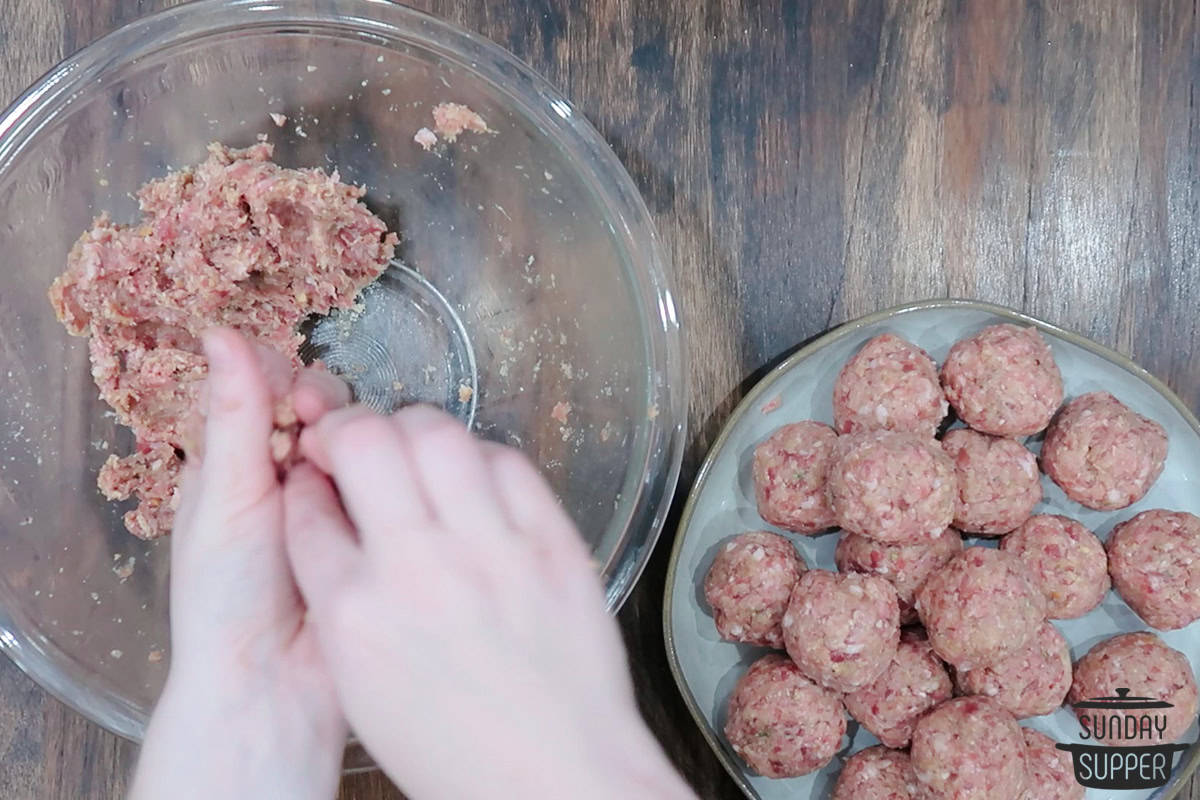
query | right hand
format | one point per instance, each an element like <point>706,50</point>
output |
<point>460,617</point>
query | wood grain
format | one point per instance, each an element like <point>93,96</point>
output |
<point>808,162</point>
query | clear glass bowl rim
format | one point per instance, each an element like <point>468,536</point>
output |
<point>640,516</point>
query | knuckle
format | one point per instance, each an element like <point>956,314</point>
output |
<point>358,432</point>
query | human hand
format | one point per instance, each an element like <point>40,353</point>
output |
<point>248,710</point>
<point>460,617</point>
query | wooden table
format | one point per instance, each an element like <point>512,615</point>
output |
<point>807,163</point>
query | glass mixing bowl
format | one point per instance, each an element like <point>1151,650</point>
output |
<point>531,275</point>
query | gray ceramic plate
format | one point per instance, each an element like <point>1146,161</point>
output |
<point>722,503</point>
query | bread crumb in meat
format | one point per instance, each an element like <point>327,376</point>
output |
<point>780,723</point>
<point>889,384</point>
<point>1065,560</point>
<point>905,566</point>
<point>842,630</point>
<point>1154,560</point>
<point>980,608</point>
<point>1030,682</point>
<point>912,684</point>
<point>749,584</point>
<point>1102,454</point>
<point>998,481</point>
<point>876,773</point>
<point>969,748</point>
<point>790,470</point>
<point>1003,381</point>
<point>893,487</point>
<point>1145,666</point>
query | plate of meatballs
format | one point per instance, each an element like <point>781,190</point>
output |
<point>925,548</point>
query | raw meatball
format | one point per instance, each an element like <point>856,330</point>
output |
<point>876,773</point>
<point>782,724</point>
<point>980,608</point>
<point>789,477</point>
<point>1154,559</point>
<point>1049,774</point>
<point>906,566</point>
<point>893,487</point>
<point>969,748</point>
<point>1032,681</point>
<point>842,630</point>
<point>998,481</point>
<point>913,683</point>
<point>888,385</point>
<point>1102,454</point>
<point>1065,560</point>
<point>1003,381</point>
<point>1142,664</point>
<point>748,586</point>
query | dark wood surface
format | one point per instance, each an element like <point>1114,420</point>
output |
<point>807,163</point>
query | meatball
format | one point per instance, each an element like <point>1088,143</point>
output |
<point>1102,454</point>
<point>842,630</point>
<point>1065,560</point>
<point>789,477</point>
<point>894,487</point>
<point>748,586</point>
<point>980,608</point>
<point>1141,665</point>
<point>1154,559</point>
<point>888,385</point>
<point>1031,682</point>
<point>780,723</point>
<point>1003,381</point>
<point>913,683</point>
<point>969,748</point>
<point>876,773</point>
<point>998,481</point>
<point>905,565</point>
<point>1048,771</point>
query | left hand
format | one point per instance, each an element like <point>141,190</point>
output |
<point>248,710</point>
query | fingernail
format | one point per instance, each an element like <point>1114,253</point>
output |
<point>216,348</point>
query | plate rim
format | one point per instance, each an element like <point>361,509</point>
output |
<point>765,383</point>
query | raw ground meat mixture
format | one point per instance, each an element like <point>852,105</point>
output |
<point>980,608</point>
<point>876,773</point>
<point>1065,560</point>
<point>1031,682</point>
<point>998,481</point>
<point>1154,559</point>
<point>842,630</point>
<point>782,724</point>
<point>1003,381</point>
<point>906,566</point>
<point>1049,774</point>
<point>1103,454</point>
<point>790,467</point>
<point>888,385</point>
<point>748,586</point>
<point>1147,667</point>
<point>913,683</point>
<point>893,487</point>
<point>237,241</point>
<point>969,748</point>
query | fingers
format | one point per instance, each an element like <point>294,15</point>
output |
<point>531,506</point>
<point>453,474</point>
<point>237,462</point>
<point>318,391</point>
<point>369,461</point>
<point>321,543</point>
